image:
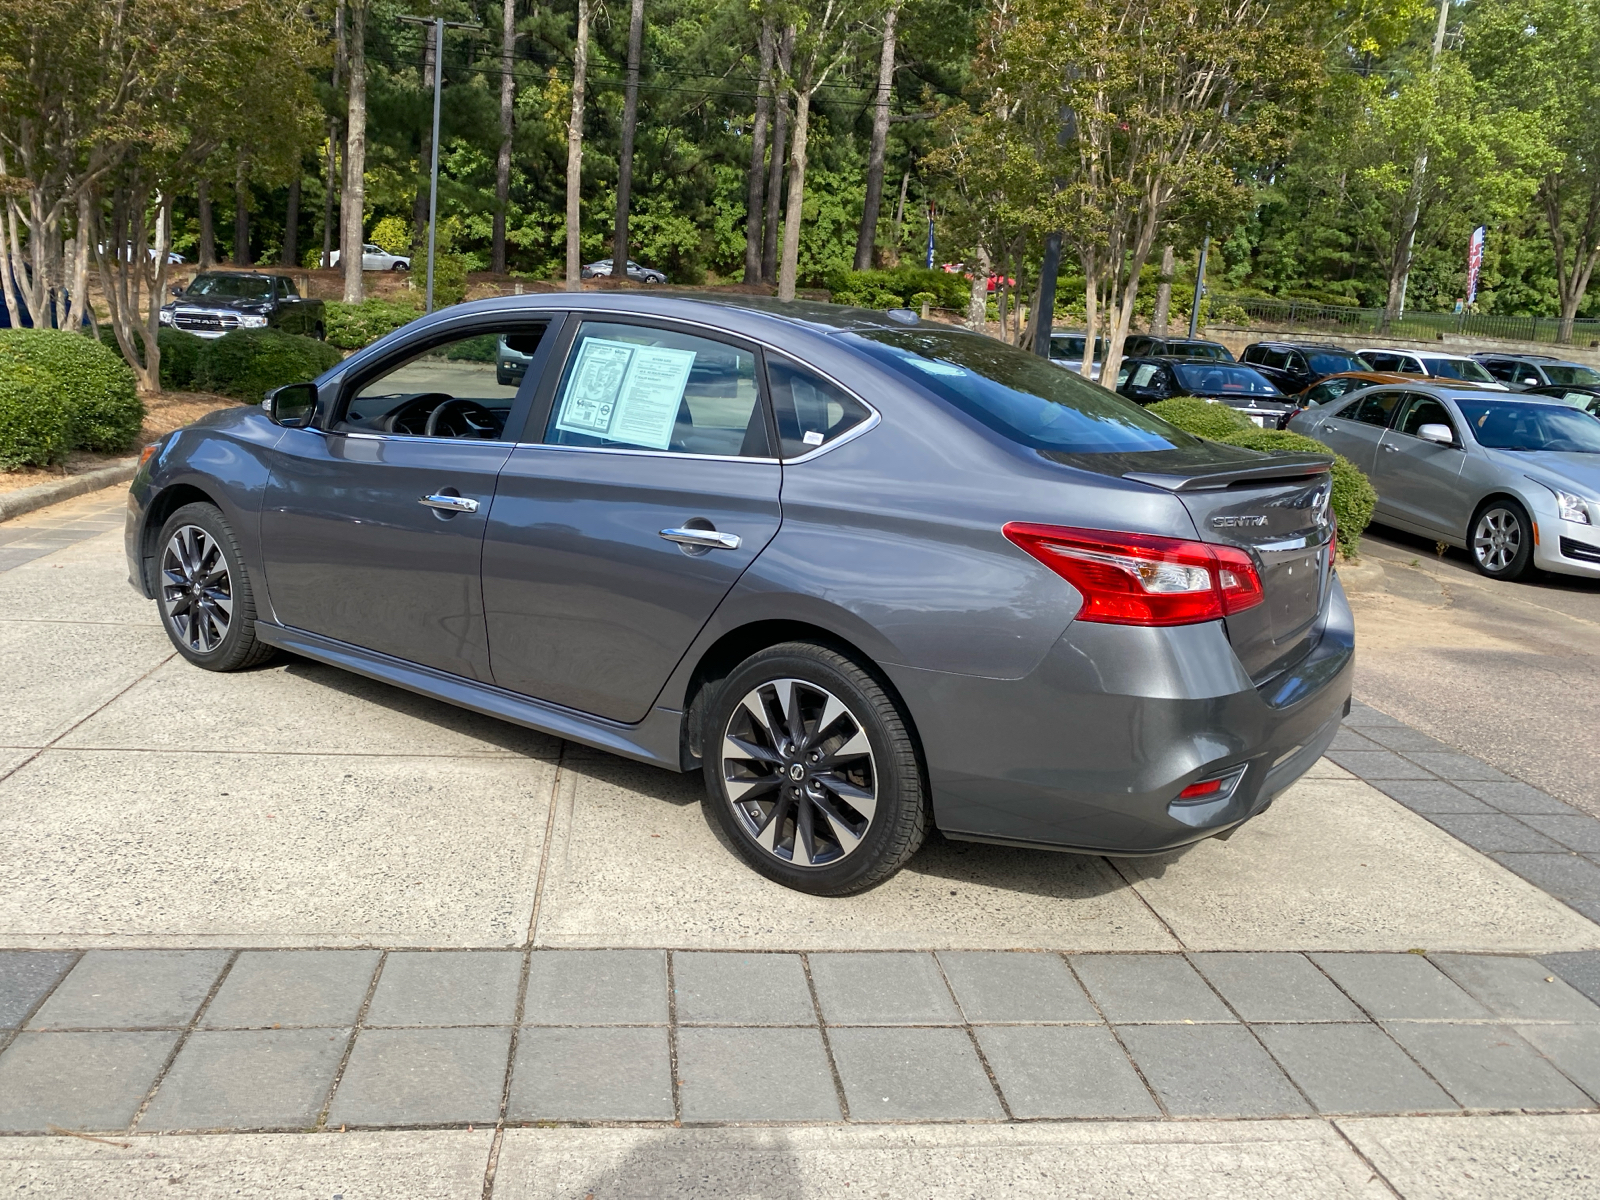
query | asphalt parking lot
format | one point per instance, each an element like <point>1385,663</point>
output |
<point>292,929</point>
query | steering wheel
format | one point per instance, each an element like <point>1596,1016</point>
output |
<point>467,418</point>
<point>406,418</point>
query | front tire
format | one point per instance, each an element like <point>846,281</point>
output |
<point>203,593</point>
<point>812,772</point>
<point>1502,540</point>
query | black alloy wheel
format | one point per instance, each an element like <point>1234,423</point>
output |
<point>812,772</point>
<point>1502,540</point>
<point>203,593</point>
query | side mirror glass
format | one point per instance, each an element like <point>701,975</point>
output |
<point>177,289</point>
<point>291,405</point>
<point>1439,434</point>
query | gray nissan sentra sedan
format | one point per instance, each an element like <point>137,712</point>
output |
<point>868,573</point>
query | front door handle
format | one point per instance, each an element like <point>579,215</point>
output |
<point>703,539</point>
<point>1391,449</point>
<point>450,503</point>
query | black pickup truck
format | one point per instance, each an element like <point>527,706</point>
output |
<point>218,302</point>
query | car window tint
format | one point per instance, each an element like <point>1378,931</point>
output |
<point>1320,394</point>
<point>1424,410</point>
<point>460,379</point>
<point>1500,369</point>
<point>1274,358</point>
<point>1458,368</point>
<point>1145,373</point>
<point>811,412</point>
<point>1018,395</point>
<point>1325,362</point>
<point>1568,374</point>
<point>640,387</point>
<point>1252,354</point>
<point>1373,409</point>
<point>1518,425</point>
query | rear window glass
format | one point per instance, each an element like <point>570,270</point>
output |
<point>1199,350</point>
<point>1324,363</point>
<point>1019,395</point>
<point>1458,368</point>
<point>1220,380</point>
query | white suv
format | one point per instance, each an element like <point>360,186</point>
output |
<point>376,258</point>
<point>1426,362</point>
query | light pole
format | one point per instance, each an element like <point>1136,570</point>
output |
<point>1199,288</point>
<point>439,25</point>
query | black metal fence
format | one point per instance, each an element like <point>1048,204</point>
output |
<point>1425,326</point>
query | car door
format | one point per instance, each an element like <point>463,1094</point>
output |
<point>1354,429</point>
<point>372,523</point>
<point>644,488</point>
<point>1418,481</point>
<point>292,310</point>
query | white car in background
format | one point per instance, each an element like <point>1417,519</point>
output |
<point>376,258</point>
<point>1442,368</point>
<point>1066,350</point>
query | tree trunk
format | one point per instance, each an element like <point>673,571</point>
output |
<point>978,290</point>
<point>1158,322</point>
<point>208,230</point>
<point>80,267</point>
<point>755,192</point>
<point>290,257</point>
<point>332,187</point>
<point>868,233</point>
<point>892,254</point>
<point>580,70</point>
<point>419,198</point>
<point>241,217</point>
<point>353,202</point>
<point>502,163</point>
<point>780,151</point>
<point>789,270</point>
<point>630,123</point>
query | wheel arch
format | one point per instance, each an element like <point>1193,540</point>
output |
<point>166,502</point>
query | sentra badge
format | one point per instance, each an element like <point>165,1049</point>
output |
<point>1248,520</point>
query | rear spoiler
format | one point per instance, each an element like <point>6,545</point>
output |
<point>1280,466</point>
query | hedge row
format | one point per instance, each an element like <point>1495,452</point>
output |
<point>1353,497</point>
<point>352,326</point>
<point>180,354</point>
<point>60,391</point>
<point>903,287</point>
<point>248,363</point>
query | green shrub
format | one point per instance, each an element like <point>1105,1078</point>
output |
<point>899,288</point>
<point>1202,418</point>
<point>35,420</point>
<point>393,234</point>
<point>180,352</point>
<point>449,278</point>
<point>1353,498</point>
<point>247,363</point>
<point>352,326</point>
<point>97,385</point>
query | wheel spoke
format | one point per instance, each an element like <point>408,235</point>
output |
<point>752,705</point>
<point>803,853</point>
<point>767,834</point>
<point>842,833</point>
<point>856,747</point>
<point>736,747</point>
<point>742,791</point>
<point>863,801</point>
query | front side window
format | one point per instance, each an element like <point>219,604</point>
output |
<point>641,387</point>
<point>1501,369</point>
<point>811,412</point>
<point>1458,368</point>
<point>1518,425</point>
<point>1325,363</point>
<point>1019,395</point>
<point>286,286</point>
<point>1424,410</point>
<point>450,388</point>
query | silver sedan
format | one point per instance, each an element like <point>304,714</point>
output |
<point>1514,481</point>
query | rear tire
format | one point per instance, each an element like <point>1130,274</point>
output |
<point>203,592</point>
<point>1502,540</point>
<point>812,771</point>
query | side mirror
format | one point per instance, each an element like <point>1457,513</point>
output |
<point>291,405</point>
<point>177,289</point>
<point>1439,434</point>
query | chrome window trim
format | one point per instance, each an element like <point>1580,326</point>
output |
<point>641,453</point>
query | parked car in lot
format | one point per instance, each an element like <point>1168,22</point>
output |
<point>1512,480</point>
<point>375,258</point>
<point>1144,345</point>
<point>1447,368</point>
<point>1335,386</point>
<point>218,302</point>
<point>1536,370</point>
<point>1295,366</point>
<point>863,572</point>
<point>1066,350</point>
<point>1147,380</point>
<point>604,268</point>
<point>1584,396</point>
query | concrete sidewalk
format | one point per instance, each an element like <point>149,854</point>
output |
<point>293,900</point>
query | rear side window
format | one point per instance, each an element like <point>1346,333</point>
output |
<point>1018,395</point>
<point>1373,410</point>
<point>1380,361</point>
<point>811,411</point>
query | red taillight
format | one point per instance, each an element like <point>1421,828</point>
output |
<point>1206,787</point>
<point>1141,579</point>
<point>1333,540</point>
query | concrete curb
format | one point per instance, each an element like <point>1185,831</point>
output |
<point>25,500</point>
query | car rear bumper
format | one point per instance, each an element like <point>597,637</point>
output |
<point>1089,752</point>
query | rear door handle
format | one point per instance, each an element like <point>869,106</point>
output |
<point>450,503</point>
<point>705,539</point>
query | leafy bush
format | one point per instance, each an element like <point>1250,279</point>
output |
<point>35,419</point>
<point>352,326</point>
<point>393,234</point>
<point>1353,497</point>
<point>899,288</point>
<point>247,363</point>
<point>97,386</point>
<point>180,353</point>
<point>1202,418</point>
<point>449,278</point>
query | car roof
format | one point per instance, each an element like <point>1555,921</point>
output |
<point>1302,346</point>
<point>1414,351</point>
<point>1516,357</point>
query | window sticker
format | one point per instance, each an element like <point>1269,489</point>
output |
<point>625,392</point>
